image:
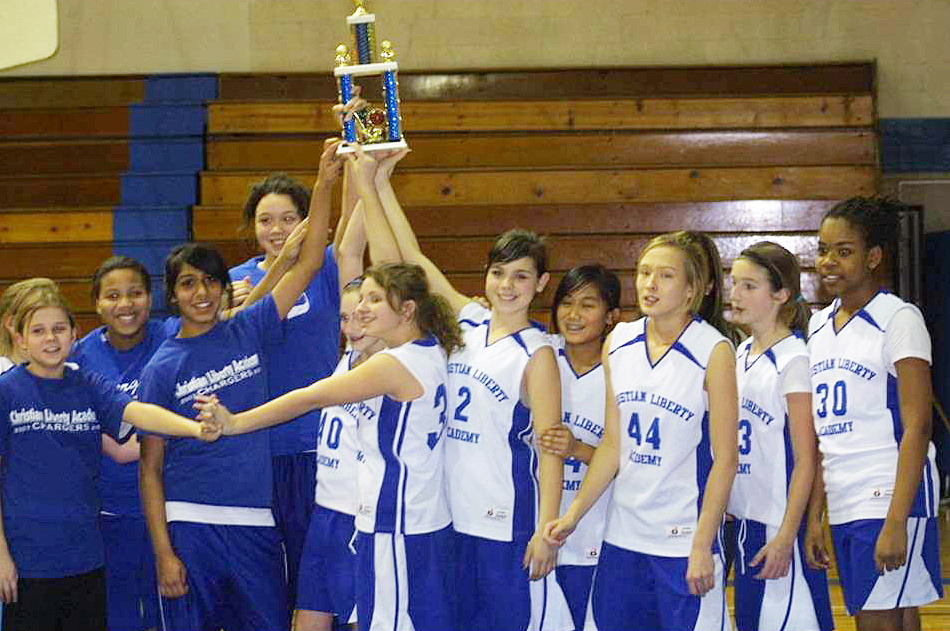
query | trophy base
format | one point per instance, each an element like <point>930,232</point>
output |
<point>376,146</point>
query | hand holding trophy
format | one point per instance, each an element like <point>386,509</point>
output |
<point>372,128</point>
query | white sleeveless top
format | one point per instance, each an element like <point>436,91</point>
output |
<point>491,465</point>
<point>400,472</point>
<point>338,447</point>
<point>583,398</point>
<point>665,454</point>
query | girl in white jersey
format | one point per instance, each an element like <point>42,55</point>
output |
<point>503,388</point>
<point>328,568</point>
<point>669,437</point>
<point>870,372</point>
<point>404,547</point>
<point>586,305</point>
<point>775,591</point>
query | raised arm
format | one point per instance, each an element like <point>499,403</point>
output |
<point>296,279</point>
<point>275,271</point>
<point>409,246</point>
<point>382,242</point>
<point>543,387</point>
<point>172,575</point>
<point>723,428</point>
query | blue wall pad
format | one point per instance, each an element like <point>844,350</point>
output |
<point>149,119</point>
<point>145,223</point>
<point>196,87</point>
<point>914,144</point>
<point>159,189</point>
<point>167,154</point>
<point>150,253</point>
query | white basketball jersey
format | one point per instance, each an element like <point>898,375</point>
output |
<point>338,447</point>
<point>491,466</point>
<point>766,459</point>
<point>665,454</point>
<point>583,398</point>
<point>401,461</point>
<point>855,405</point>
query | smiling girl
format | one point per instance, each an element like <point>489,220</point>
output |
<point>870,372</point>
<point>119,350</point>
<point>307,349</point>
<point>503,388</point>
<point>209,510</point>
<point>669,438</point>
<point>51,421</point>
<point>404,549</point>
<point>586,306</point>
<point>775,590</point>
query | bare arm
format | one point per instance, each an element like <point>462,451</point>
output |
<point>172,576</point>
<point>296,279</point>
<point>348,203</point>
<point>156,419</point>
<point>409,247</point>
<point>382,242</point>
<point>349,254</point>
<point>543,385</point>
<point>381,374</point>
<point>723,412</point>
<point>121,453</point>
<point>816,552</point>
<point>603,465</point>
<point>777,553</point>
<point>915,397</point>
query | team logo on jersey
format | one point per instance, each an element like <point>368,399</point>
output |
<point>26,420</point>
<point>233,372</point>
<point>302,307</point>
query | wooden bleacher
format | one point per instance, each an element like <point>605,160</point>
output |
<point>597,160</point>
<point>63,148</point>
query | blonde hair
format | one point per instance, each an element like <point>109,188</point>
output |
<point>695,262</point>
<point>39,298</point>
<point>9,301</point>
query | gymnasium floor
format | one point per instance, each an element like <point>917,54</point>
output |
<point>935,617</point>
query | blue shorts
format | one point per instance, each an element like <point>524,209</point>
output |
<point>575,582</point>
<point>131,586</point>
<point>235,578</point>
<point>295,479</point>
<point>917,582</point>
<point>494,591</point>
<point>327,580</point>
<point>799,600</point>
<point>405,581</point>
<point>633,590</point>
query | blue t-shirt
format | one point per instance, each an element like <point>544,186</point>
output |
<point>50,450</point>
<point>119,483</point>
<point>226,361</point>
<point>307,350</point>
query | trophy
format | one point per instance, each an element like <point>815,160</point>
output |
<point>373,128</point>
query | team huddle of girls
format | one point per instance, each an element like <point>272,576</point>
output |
<point>459,467</point>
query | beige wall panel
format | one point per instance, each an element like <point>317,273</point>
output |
<point>907,37</point>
